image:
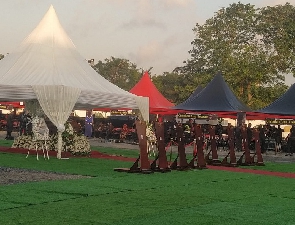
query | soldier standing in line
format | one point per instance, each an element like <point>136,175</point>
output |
<point>249,135</point>
<point>291,141</point>
<point>9,126</point>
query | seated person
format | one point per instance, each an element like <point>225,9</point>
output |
<point>124,132</point>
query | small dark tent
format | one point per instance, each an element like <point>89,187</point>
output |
<point>146,88</point>
<point>215,97</point>
<point>284,105</point>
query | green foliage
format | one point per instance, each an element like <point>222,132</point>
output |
<point>277,28</point>
<point>177,87</point>
<point>232,42</point>
<point>1,56</point>
<point>120,72</point>
<point>260,94</point>
<point>167,84</point>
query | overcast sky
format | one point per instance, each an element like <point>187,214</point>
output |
<point>150,33</point>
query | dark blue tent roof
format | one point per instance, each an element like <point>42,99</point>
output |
<point>215,97</point>
<point>192,96</point>
<point>284,105</point>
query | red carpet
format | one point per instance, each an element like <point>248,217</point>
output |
<point>96,154</point>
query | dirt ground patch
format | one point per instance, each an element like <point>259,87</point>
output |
<point>10,176</point>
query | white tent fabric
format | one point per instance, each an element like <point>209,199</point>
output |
<point>47,67</point>
<point>57,106</point>
<point>48,57</point>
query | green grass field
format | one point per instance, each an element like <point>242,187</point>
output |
<point>178,197</point>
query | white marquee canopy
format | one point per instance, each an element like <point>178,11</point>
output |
<point>47,67</point>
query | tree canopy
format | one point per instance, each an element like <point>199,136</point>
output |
<point>237,41</point>
<point>120,72</point>
<point>277,28</point>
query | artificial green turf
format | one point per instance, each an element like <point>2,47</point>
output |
<point>83,166</point>
<point>128,153</point>
<point>6,143</point>
<point>178,197</point>
<point>287,167</point>
<point>115,151</point>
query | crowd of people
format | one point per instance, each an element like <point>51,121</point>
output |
<point>270,136</point>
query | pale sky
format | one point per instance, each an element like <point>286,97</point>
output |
<point>149,33</point>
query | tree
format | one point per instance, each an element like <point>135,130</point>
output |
<point>168,84</point>
<point>1,56</point>
<point>120,72</point>
<point>230,42</point>
<point>189,78</point>
<point>277,28</point>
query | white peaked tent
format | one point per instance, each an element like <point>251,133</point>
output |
<point>47,67</point>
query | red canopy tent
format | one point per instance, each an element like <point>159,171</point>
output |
<point>157,102</point>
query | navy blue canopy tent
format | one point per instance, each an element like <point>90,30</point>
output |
<point>284,105</point>
<point>216,97</point>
